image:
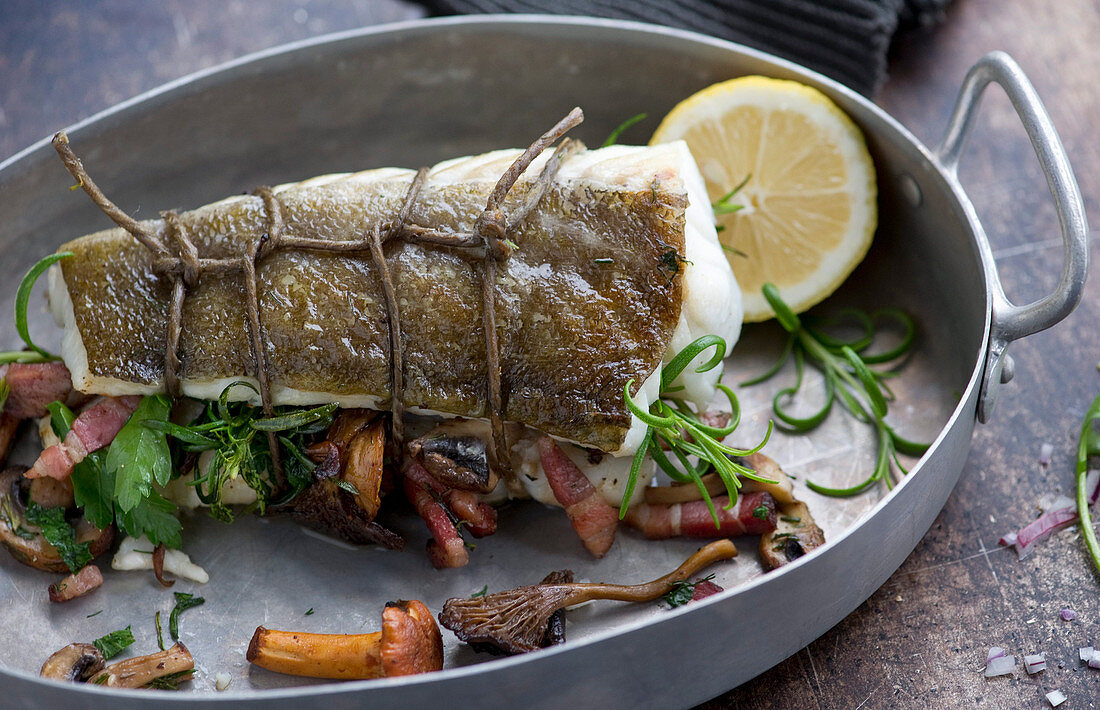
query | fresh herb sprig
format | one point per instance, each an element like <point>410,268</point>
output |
<point>138,460</point>
<point>672,424</point>
<point>1088,445</point>
<point>848,376</point>
<point>57,531</point>
<point>114,643</point>
<point>682,591</point>
<point>236,433</point>
<point>184,601</point>
<point>724,205</point>
<point>613,137</point>
<point>22,301</point>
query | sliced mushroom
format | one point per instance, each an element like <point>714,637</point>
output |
<point>8,427</point>
<point>30,547</point>
<point>75,663</point>
<point>782,490</point>
<point>52,493</point>
<point>327,508</point>
<point>456,455</point>
<point>140,671</point>
<point>795,534</point>
<point>363,469</point>
<point>409,643</point>
<point>684,492</point>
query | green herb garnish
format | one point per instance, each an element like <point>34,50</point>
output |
<point>114,643</point>
<point>347,486</point>
<point>310,612</point>
<point>1088,445</point>
<point>613,137</point>
<point>760,512</point>
<point>97,613</point>
<point>481,592</point>
<point>22,300</point>
<point>862,390</point>
<point>723,205</point>
<point>603,260</point>
<point>236,433</point>
<point>171,681</point>
<point>57,531</point>
<point>184,601</point>
<point>679,428</point>
<point>160,633</point>
<point>682,591</point>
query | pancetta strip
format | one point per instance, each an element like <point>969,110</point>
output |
<point>591,517</point>
<point>93,429</point>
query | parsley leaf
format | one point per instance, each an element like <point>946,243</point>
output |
<point>682,592</point>
<point>154,517</point>
<point>184,601</point>
<point>93,486</point>
<point>60,534</point>
<point>114,643</point>
<point>139,456</point>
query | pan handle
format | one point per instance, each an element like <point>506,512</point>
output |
<point>1010,321</point>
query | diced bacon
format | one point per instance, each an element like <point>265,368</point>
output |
<point>703,589</point>
<point>480,518</point>
<point>592,518</point>
<point>76,585</point>
<point>659,522</point>
<point>33,386</point>
<point>93,429</point>
<point>447,548</point>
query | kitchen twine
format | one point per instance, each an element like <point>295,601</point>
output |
<point>487,243</point>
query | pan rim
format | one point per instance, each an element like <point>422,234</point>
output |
<point>199,81</point>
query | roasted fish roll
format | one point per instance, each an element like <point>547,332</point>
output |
<point>616,268</point>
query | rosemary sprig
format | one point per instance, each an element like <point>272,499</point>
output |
<point>863,391</point>
<point>22,300</point>
<point>1088,445</point>
<point>613,137</point>
<point>696,446</point>
<point>233,431</point>
<point>723,205</point>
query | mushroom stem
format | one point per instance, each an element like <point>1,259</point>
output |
<point>340,656</point>
<point>142,670</point>
<point>515,620</point>
<point>715,551</point>
<point>408,643</point>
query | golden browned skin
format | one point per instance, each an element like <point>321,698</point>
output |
<point>574,327</point>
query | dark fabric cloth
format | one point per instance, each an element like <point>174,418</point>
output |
<point>844,39</point>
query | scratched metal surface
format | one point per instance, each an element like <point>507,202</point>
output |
<point>271,572</point>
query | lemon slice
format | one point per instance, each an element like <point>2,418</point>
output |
<point>807,207</point>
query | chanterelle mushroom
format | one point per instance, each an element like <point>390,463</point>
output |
<point>516,620</point>
<point>408,643</point>
<point>75,663</point>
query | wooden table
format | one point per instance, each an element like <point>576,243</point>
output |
<point>921,640</point>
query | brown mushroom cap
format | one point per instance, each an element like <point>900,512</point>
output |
<point>35,551</point>
<point>75,663</point>
<point>411,641</point>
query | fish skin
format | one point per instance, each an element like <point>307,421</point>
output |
<point>573,331</point>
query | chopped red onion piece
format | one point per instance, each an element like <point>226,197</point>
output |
<point>1009,539</point>
<point>1045,452</point>
<point>1085,653</point>
<point>995,652</point>
<point>1000,666</point>
<point>1035,663</point>
<point>1056,698</point>
<point>1043,526</point>
<point>1068,615</point>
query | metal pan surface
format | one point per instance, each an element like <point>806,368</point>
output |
<point>414,93</point>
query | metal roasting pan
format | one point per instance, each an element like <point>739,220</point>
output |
<point>411,94</point>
